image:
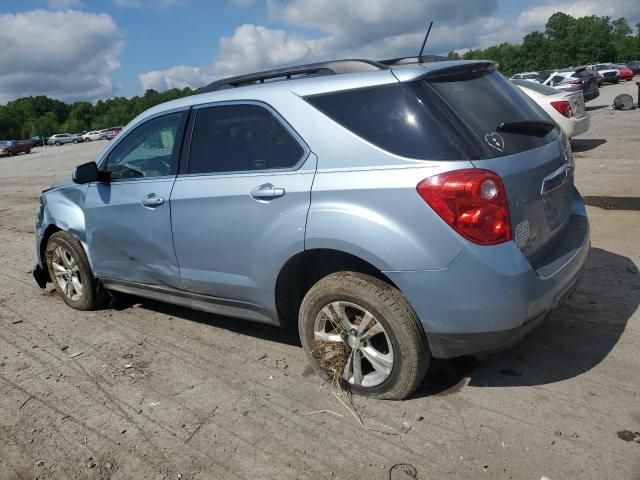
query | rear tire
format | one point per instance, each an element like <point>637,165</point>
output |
<point>71,273</point>
<point>397,347</point>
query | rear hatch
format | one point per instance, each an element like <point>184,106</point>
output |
<point>533,162</point>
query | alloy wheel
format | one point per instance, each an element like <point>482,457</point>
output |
<point>67,273</point>
<point>370,353</point>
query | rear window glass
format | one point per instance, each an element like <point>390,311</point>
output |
<point>536,87</point>
<point>582,73</point>
<point>446,119</point>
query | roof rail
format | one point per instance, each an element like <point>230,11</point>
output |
<point>333,67</point>
<point>412,60</point>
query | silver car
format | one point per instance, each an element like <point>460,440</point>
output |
<point>62,138</point>
<point>395,211</point>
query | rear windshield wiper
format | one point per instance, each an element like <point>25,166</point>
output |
<point>528,127</point>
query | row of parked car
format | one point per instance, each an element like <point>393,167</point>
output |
<point>587,78</point>
<point>9,148</point>
<point>62,138</point>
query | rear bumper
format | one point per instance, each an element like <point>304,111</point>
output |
<point>488,298</point>
<point>577,126</point>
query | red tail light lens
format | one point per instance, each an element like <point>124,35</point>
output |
<point>472,201</point>
<point>576,82</point>
<point>563,107</point>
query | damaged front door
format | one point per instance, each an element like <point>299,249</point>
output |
<point>128,217</point>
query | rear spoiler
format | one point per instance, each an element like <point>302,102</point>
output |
<point>461,70</point>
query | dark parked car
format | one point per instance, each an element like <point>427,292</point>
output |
<point>573,80</point>
<point>10,148</point>
<point>37,141</point>
<point>634,66</point>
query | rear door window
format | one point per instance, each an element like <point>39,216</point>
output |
<point>240,138</point>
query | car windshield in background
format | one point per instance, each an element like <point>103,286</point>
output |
<point>454,118</point>
<point>537,87</point>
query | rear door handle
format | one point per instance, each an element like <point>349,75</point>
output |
<point>151,201</point>
<point>267,192</point>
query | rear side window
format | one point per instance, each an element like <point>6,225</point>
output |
<point>240,138</point>
<point>453,118</point>
<point>392,117</point>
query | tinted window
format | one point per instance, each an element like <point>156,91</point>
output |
<point>444,119</point>
<point>484,102</point>
<point>240,138</point>
<point>585,73</point>
<point>393,118</point>
<point>150,150</point>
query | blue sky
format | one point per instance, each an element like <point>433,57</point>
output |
<point>89,49</point>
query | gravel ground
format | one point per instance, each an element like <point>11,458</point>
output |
<point>146,390</point>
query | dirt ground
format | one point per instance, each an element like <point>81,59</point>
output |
<point>146,390</point>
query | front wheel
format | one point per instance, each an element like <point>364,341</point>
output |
<point>71,273</point>
<point>362,331</point>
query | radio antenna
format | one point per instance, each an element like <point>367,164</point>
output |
<point>424,43</point>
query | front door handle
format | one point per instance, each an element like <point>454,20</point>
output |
<point>267,192</point>
<point>151,201</point>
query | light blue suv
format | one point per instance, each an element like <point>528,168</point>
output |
<point>397,211</point>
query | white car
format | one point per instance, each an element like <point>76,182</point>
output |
<point>95,135</point>
<point>609,74</point>
<point>530,76</point>
<point>565,108</point>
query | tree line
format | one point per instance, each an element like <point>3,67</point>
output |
<point>566,41</point>
<point>44,116</point>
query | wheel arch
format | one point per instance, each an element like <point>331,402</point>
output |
<point>306,268</point>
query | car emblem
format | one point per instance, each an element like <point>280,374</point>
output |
<point>495,141</point>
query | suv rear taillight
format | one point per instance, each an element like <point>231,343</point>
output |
<point>576,82</point>
<point>563,107</point>
<point>472,201</point>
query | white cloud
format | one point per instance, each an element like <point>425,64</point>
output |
<point>175,77</point>
<point>250,48</point>
<point>67,55</point>
<point>536,17</point>
<point>64,4</point>
<point>375,29</point>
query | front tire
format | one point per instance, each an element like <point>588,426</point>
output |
<point>71,273</point>
<point>362,330</point>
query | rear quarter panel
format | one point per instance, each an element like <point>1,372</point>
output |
<point>376,214</point>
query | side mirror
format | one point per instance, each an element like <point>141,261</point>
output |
<point>86,173</point>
